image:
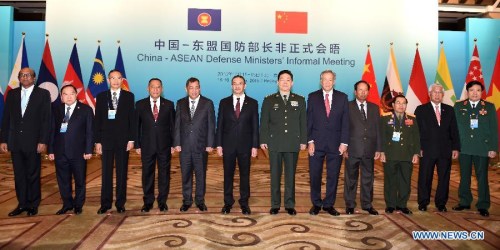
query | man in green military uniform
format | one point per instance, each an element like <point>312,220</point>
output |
<point>283,132</point>
<point>477,127</point>
<point>400,150</point>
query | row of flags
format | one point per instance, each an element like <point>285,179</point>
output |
<point>47,76</point>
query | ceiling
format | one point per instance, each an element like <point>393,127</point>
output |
<point>452,13</point>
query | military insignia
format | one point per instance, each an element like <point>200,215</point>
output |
<point>294,103</point>
<point>276,105</point>
<point>465,102</point>
<point>390,122</point>
<point>483,111</point>
<point>482,103</point>
<point>408,122</point>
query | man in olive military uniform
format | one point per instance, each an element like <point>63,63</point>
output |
<point>283,132</point>
<point>477,127</point>
<point>400,150</point>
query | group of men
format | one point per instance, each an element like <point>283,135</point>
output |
<point>330,127</point>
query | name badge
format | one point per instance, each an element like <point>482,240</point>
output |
<point>396,136</point>
<point>64,127</point>
<point>474,123</point>
<point>111,114</point>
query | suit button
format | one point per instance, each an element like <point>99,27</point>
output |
<point>285,110</point>
<point>285,117</point>
<point>285,124</point>
<point>471,136</point>
<point>364,138</point>
<point>286,131</point>
<point>401,144</point>
<point>401,138</point>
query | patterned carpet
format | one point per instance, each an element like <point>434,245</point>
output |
<point>211,230</point>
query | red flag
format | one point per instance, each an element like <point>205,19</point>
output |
<point>291,22</point>
<point>73,75</point>
<point>417,93</point>
<point>475,73</point>
<point>494,91</point>
<point>369,77</point>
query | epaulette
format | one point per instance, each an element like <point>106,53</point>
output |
<point>386,114</point>
<point>293,94</point>
<point>410,115</point>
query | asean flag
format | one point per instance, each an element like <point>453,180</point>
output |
<point>204,19</point>
<point>291,22</point>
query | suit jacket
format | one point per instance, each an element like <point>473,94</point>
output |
<point>155,136</point>
<point>194,135</point>
<point>23,133</point>
<point>435,140</point>
<point>78,138</point>
<point>483,139</point>
<point>283,127</point>
<point>364,139</point>
<point>237,134</point>
<point>409,143</point>
<point>115,133</point>
<point>327,132</point>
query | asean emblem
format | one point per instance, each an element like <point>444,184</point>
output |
<point>204,19</point>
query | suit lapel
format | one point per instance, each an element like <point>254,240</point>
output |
<point>321,100</point>
<point>75,113</point>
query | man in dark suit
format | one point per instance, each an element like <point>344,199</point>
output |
<point>283,131</point>
<point>439,143</point>
<point>71,145</point>
<point>364,148</point>
<point>194,138</point>
<point>25,132</point>
<point>237,138</point>
<point>328,137</point>
<point>478,130</point>
<point>115,132</point>
<point>155,121</point>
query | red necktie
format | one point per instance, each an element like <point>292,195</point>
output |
<point>237,109</point>
<point>438,115</point>
<point>155,111</point>
<point>327,105</point>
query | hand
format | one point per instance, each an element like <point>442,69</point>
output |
<point>178,148</point>
<point>41,148</point>
<point>342,148</point>
<point>303,146</point>
<point>346,154</point>
<point>263,146</point>
<point>219,151</point>
<point>454,154</point>
<point>421,153</point>
<point>492,154</point>
<point>4,147</point>
<point>172,150</point>
<point>310,149</point>
<point>130,145</point>
<point>87,156</point>
<point>138,151</point>
<point>377,155</point>
<point>414,160</point>
<point>209,149</point>
<point>254,152</point>
<point>51,157</point>
<point>98,148</point>
<point>382,157</point>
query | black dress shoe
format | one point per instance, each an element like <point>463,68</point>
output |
<point>389,210</point>
<point>274,211</point>
<point>102,210</point>
<point>291,211</point>
<point>314,210</point>
<point>398,208</point>
<point>246,210</point>
<point>405,210</point>
<point>484,212</point>
<point>146,207</point>
<point>78,210</point>
<point>442,208</point>
<point>226,209</point>
<point>63,210</point>
<point>460,207</point>
<point>349,210</point>
<point>371,211</point>
<point>120,209</point>
<point>163,207</point>
<point>422,208</point>
<point>331,211</point>
<point>184,207</point>
<point>17,211</point>
<point>32,211</point>
<point>202,207</point>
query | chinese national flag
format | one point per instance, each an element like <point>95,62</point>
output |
<point>291,22</point>
<point>494,91</point>
<point>369,77</point>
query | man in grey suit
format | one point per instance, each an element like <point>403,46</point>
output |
<point>364,148</point>
<point>194,138</point>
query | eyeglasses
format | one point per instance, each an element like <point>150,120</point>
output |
<point>27,75</point>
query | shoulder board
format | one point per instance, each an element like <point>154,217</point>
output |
<point>293,94</point>
<point>410,115</point>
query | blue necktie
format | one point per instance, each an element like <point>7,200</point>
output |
<point>24,101</point>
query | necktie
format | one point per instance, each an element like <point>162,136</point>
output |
<point>363,113</point>
<point>66,116</point>
<point>327,105</point>
<point>473,106</point>
<point>191,111</point>
<point>284,99</point>
<point>438,115</point>
<point>115,101</point>
<point>155,110</point>
<point>237,109</point>
<point>24,101</point>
